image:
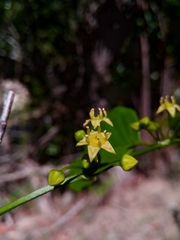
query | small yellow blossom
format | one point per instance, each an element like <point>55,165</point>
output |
<point>95,140</point>
<point>95,121</point>
<point>171,107</point>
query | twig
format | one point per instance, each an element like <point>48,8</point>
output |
<point>5,113</point>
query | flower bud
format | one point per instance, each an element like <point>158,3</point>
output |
<point>55,177</point>
<point>86,163</point>
<point>135,126</point>
<point>79,135</point>
<point>144,121</point>
<point>153,126</point>
<point>128,162</point>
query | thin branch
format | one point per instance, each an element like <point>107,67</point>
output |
<point>5,113</point>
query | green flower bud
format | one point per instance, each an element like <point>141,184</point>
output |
<point>141,124</point>
<point>153,126</point>
<point>90,167</point>
<point>135,126</point>
<point>79,135</point>
<point>86,163</point>
<point>55,177</point>
<point>144,121</point>
<point>128,162</point>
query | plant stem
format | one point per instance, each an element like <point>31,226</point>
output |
<point>176,130</point>
<point>138,153</point>
<point>26,199</point>
<point>33,195</point>
<point>155,147</point>
<point>73,178</point>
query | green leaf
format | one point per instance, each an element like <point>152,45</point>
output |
<point>77,168</point>
<point>123,137</point>
<point>80,185</point>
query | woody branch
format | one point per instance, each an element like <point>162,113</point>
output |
<point>5,113</point>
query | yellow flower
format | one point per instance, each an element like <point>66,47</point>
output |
<point>95,140</point>
<point>95,121</point>
<point>171,107</point>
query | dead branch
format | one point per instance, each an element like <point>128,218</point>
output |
<point>5,113</point>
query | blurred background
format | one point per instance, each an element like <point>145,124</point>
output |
<point>61,58</point>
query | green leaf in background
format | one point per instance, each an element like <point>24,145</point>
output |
<point>123,137</point>
<point>80,185</point>
<point>76,168</point>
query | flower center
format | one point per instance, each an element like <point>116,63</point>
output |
<point>96,139</point>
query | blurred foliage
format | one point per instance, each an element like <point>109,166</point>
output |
<point>48,46</point>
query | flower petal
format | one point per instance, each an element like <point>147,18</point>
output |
<point>108,147</point>
<point>107,135</point>
<point>82,142</point>
<point>177,107</point>
<point>95,122</point>
<point>86,122</point>
<point>172,111</point>
<point>107,120</point>
<point>160,109</point>
<point>92,152</point>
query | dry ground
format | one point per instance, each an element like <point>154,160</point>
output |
<point>134,208</point>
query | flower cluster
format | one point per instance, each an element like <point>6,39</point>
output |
<point>95,140</point>
<point>145,123</point>
<point>171,107</point>
<point>161,130</point>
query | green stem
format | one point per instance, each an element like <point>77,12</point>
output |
<point>145,144</point>
<point>33,195</point>
<point>25,199</point>
<point>176,129</point>
<point>73,178</point>
<point>168,124</point>
<point>151,148</point>
<point>152,135</point>
<point>161,133</point>
<point>156,146</point>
